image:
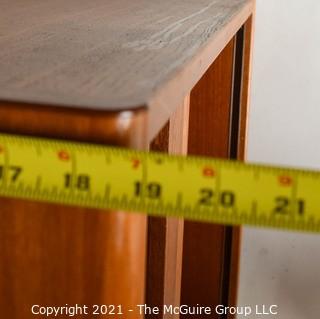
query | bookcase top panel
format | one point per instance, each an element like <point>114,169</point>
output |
<point>111,55</point>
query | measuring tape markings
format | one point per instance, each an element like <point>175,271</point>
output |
<point>202,189</point>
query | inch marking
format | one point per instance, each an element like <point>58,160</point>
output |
<point>202,189</point>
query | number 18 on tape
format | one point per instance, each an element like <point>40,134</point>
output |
<point>202,189</point>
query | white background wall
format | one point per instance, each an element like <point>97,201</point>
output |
<point>277,267</point>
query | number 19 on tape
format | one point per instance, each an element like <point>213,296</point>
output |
<point>202,189</point>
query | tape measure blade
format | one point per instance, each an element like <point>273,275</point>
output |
<point>201,189</point>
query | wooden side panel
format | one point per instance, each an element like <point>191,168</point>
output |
<point>218,119</point>
<point>245,88</point>
<point>178,144</point>
<point>240,145</point>
<point>54,255</point>
<point>165,235</point>
<point>204,251</point>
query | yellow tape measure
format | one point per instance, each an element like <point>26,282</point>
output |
<point>203,189</point>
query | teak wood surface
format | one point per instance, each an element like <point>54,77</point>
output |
<point>171,76</point>
<point>57,255</point>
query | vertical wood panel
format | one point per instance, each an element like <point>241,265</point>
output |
<point>244,97</point>
<point>218,119</point>
<point>165,235</point>
<point>178,144</point>
<point>203,258</point>
<point>246,85</point>
<point>55,255</point>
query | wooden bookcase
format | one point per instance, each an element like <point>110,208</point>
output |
<point>171,76</point>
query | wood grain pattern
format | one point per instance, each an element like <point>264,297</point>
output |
<point>112,55</point>
<point>115,72</point>
<point>53,255</point>
<point>204,244</point>
<point>216,248</point>
<point>165,235</point>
